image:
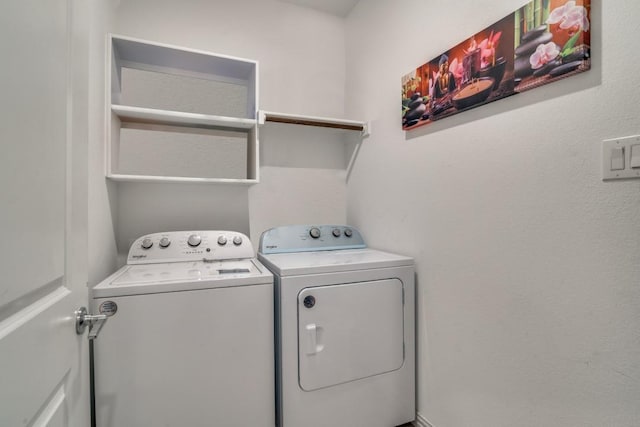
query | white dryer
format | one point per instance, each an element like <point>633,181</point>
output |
<point>189,337</point>
<point>345,347</point>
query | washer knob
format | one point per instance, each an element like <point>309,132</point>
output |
<point>222,240</point>
<point>165,242</point>
<point>314,232</point>
<point>237,240</point>
<point>348,232</point>
<point>147,243</point>
<point>194,240</point>
<point>336,232</point>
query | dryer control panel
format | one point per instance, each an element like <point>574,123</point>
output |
<point>180,246</point>
<point>307,238</point>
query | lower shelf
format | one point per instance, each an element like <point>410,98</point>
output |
<point>177,179</point>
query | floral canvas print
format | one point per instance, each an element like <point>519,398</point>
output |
<point>552,41</point>
<point>544,41</point>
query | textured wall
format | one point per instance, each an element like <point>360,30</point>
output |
<point>528,265</point>
<point>302,71</point>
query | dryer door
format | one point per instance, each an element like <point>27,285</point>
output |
<point>348,332</point>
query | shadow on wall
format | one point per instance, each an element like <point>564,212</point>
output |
<point>145,208</point>
<point>296,146</point>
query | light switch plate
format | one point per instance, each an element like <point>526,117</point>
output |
<point>612,146</point>
<point>635,156</point>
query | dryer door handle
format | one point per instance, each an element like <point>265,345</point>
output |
<point>314,334</point>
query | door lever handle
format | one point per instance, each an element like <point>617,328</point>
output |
<point>93,321</point>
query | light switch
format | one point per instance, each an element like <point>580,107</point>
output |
<point>621,158</point>
<point>635,156</point>
<point>617,158</point>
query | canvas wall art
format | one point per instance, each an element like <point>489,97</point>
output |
<point>544,41</point>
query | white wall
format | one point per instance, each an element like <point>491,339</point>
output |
<point>302,70</point>
<point>101,193</point>
<point>528,265</point>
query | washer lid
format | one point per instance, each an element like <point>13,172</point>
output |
<point>182,276</point>
<point>295,264</point>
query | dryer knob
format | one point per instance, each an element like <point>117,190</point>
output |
<point>194,240</point>
<point>222,240</point>
<point>348,232</point>
<point>336,232</point>
<point>165,242</point>
<point>237,240</point>
<point>314,232</point>
<point>147,243</point>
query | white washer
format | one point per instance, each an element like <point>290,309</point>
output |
<point>345,347</point>
<point>189,337</point>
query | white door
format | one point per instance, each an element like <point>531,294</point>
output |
<point>348,332</point>
<point>43,214</point>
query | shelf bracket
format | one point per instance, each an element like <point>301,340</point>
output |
<point>262,117</point>
<point>366,130</point>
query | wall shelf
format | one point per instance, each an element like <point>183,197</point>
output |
<point>296,119</point>
<point>350,126</point>
<point>177,118</point>
<point>174,179</point>
<point>180,115</point>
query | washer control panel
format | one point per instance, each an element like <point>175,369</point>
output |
<point>179,246</point>
<point>306,238</point>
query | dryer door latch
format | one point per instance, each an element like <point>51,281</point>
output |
<point>309,301</point>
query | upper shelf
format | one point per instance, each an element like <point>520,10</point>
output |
<point>352,125</point>
<point>141,54</point>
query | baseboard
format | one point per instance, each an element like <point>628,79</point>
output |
<point>421,421</point>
